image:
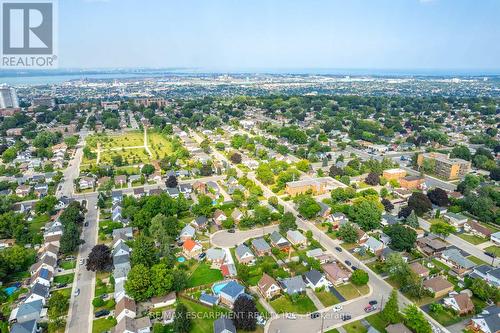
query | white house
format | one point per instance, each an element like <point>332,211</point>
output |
<point>315,280</point>
<point>495,238</point>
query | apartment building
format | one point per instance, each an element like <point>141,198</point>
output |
<point>445,167</point>
<point>396,174</point>
<point>316,185</point>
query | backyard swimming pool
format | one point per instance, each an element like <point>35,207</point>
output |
<point>217,287</point>
<point>181,259</point>
<point>10,290</point>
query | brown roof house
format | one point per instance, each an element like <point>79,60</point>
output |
<point>439,286</point>
<point>335,273</point>
<point>477,229</point>
<point>461,303</point>
<point>162,301</point>
<point>268,286</point>
<point>125,308</point>
<point>419,269</point>
<point>431,244</point>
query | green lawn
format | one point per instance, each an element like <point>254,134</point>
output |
<point>355,327</point>
<point>333,330</point>
<point>445,317</point>
<point>493,249</point>
<point>472,239</point>
<point>205,316</point>
<point>350,291</point>
<point>159,145</point>
<point>68,264</point>
<point>103,324</point>
<point>377,322</point>
<point>302,304</point>
<point>327,298</point>
<point>476,260</point>
<point>66,278</point>
<point>204,275</point>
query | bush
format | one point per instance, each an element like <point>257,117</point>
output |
<point>97,302</point>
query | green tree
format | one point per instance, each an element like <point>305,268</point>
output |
<point>390,313</point>
<point>287,222</point>
<point>204,206</point>
<point>367,213</point>
<point>144,252</point>
<point>161,279</point>
<point>420,203</point>
<point>57,304</point>
<point>148,169</point>
<point>46,205</point>
<point>182,322</point>
<point>416,321</point>
<point>412,220</point>
<point>138,284</point>
<point>70,239</point>
<point>348,233</point>
<point>442,228</point>
<point>359,277</point>
<point>307,206</point>
<point>402,238</point>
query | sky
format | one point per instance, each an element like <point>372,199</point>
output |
<point>232,35</point>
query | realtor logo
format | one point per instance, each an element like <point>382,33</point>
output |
<point>28,34</point>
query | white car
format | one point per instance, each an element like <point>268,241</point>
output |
<point>291,316</point>
<point>77,292</point>
<point>337,308</point>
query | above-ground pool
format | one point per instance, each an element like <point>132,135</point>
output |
<point>217,287</point>
<point>181,259</point>
<point>10,290</point>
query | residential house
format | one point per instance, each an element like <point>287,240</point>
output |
<point>23,190</point>
<point>411,182</point>
<point>419,269</point>
<point>116,196</point>
<point>125,325</point>
<point>163,301</point>
<point>456,220</point>
<point>230,292</point>
<point>261,247</point>
<point>219,217</point>
<point>293,285</point>
<point>103,181</point>
<point>139,192</point>
<point>431,244</point>
<point>185,189</point>
<point>324,211</point>
<point>188,232</point>
<point>236,215</point>
<point>268,286</point>
<point>318,254</point>
<point>201,222</point>
<point>120,249</point>
<point>126,307</point>
<point>224,325</point>
<point>487,273</point>
<point>173,192</point>
<point>42,276</point>
<point>6,243</point>
<point>244,255</point>
<point>27,311</point>
<point>279,241</point>
<point>335,273</point>
<point>477,229</point>
<point>395,174</point>
<point>143,324</point>
<point>228,270</point>
<point>38,292</point>
<point>315,280</point>
<point>116,212</point>
<point>29,326</point>
<point>495,238</point>
<point>191,249</point>
<point>362,236</point>
<point>461,303</point>
<point>374,245</point>
<point>487,321</point>
<point>296,238</point>
<point>439,286</point>
<point>337,219</point>
<point>41,190</point>
<point>216,257</point>
<point>388,219</point>
<point>127,232</point>
<point>459,263</point>
<point>86,183</point>
<point>120,180</point>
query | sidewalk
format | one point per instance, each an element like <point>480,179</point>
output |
<point>315,299</point>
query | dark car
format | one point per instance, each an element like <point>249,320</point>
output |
<point>101,313</point>
<point>86,224</point>
<point>354,268</point>
<point>315,315</point>
<point>347,262</point>
<point>202,256</point>
<point>372,302</point>
<point>62,285</point>
<point>338,248</point>
<point>346,317</point>
<point>489,254</point>
<point>231,231</point>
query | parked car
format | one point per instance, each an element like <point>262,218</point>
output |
<point>315,315</point>
<point>101,313</point>
<point>62,285</point>
<point>261,321</point>
<point>373,302</point>
<point>346,317</point>
<point>370,308</point>
<point>81,261</point>
<point>231,231</point>
<point>86,224</point>
<point>77,292</point>
<point>337,308</point>
<point>338,248</point>
<point>489,254</point>
<point>291,316</point>
<point>354,268</point>
<point>347,262</point>
<point>202,256</point>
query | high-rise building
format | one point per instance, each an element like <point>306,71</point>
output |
<point>445,167</point>
<point>8,98</point>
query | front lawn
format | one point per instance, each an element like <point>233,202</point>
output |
<point>68,264</point>
<point>494,250</point>
<point>355,327</point>
<point>66,278</point>
<point>203,275</point>
<point>326,298</point>
<point>472,239</point>
<point>476,260</point>
<point>103,325</point>
<point>350,291</point>
<point>300,304</point>
<point>377,322</point>
<point>445,317</point>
